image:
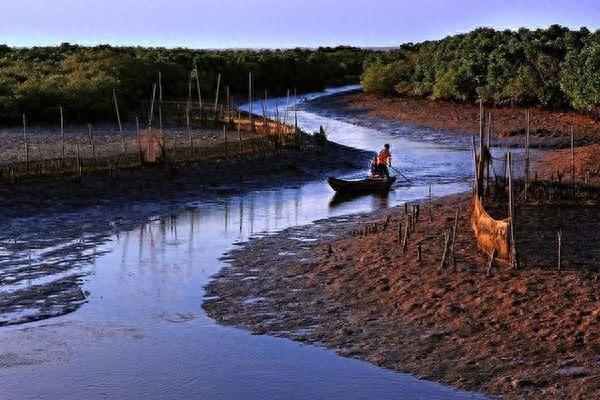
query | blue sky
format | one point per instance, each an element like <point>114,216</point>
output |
<point>270,24</point>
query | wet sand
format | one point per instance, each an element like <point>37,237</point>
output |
<point>533,333</point>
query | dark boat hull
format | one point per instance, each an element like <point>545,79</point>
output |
<point>361,186</point>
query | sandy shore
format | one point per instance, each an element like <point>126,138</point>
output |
<point>532,333</point>
<point>67,219</point>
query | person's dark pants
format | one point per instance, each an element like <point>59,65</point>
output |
<point>382,171</point>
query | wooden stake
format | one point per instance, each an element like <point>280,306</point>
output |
<point>491,262</point>
<point>481,119</point>
<point>287,106</point>
<point>527,134</point>
<point>151,113</point>
<point>62,137</point>
<point>139,140</point>
<point>217,94</point>
<point>405,239</point>
<point>228,103</point>
<point>511,215</point>
<point>475,166</point>
<point>489,131</point>
<point>189,96</point>
<point>199,91</point>
<point>239,132</point>
<point>119,122</point>
<point>419,254</point>
<point>399,231</point>
<point>573,159</point>
<point>525,194</point>
<point>26,138</point>
<point>160,121</point>
<point>225,138</point>
<point>489,146</point>
<point>79,167</point>
<point>250,101</point>
<point>189,129</point>
<point>296,131</point>
<point>91,135</point>
<point>160,100</point>
<point>446,247</point>
<point>559,236</point>
<point>454,229</point>
<point>430,205</point>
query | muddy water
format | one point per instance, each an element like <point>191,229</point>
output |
<point>144,334</point>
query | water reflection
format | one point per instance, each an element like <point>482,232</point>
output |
<point>379,200</point>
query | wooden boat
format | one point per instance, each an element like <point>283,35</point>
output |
<point>369,185</point>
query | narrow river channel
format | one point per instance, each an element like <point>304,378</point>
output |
<point>143,333</point>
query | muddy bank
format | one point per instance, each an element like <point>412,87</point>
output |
<point>531,333</point>
<point>549,128</point>
<point>586,160</point>
<point>52,227</point>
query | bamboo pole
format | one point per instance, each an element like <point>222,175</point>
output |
<point>527,120</point>
<point>217,94</point>
<point>511,214</point>
<point>79,169</point>
<point>480,170</point>
<point>189,129</point>
<point>296,131</point>
<point>430,204</point>
<point>26,138</point>
<point>239,132</point>
<point>287,106</point>
<point>489,130</point>
<point>91,135</point>
<point>225,139</point>
<point>573,158</point>
<point>491,262</point>
<point>475,166</point>
<point>265,116</point>
<point>139,140</point>
<point>277,121</point>
<point>452,246</point>
<point>527,141</point>
<point>62,137</point>
<point>559,236</point>
<point>151,113</point>
<point>198,90</point>
<point>160,121</point>
<point>250,101</point>
<point>446,248</point>
<point>120,126</point>
<point>405,239</point>
<point>160,100</point>
<point>228,103</point>
<point>489,147</point>
<point>189,96</point>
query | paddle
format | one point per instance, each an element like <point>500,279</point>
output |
<point>401,174</point>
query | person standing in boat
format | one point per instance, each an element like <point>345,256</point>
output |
<point>374,163</point>
<point>384,161</point>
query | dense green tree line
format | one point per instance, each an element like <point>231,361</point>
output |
<point>38,80</point>
<point>554,67</point>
